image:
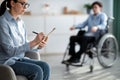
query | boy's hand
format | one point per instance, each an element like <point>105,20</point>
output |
<point>94,29</point>
<point>72,28</point>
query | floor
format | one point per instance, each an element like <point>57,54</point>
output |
<point>59,72</point>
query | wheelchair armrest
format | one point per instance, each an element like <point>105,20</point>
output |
<point>33,55</point>
<point>89,34</point>
<point>7,73</point>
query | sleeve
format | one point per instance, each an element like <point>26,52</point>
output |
<point>7,43</point>
<point>103,22</point>
<point>26,40</point>
<point>82,25</point>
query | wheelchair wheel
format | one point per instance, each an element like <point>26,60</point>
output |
<point>107,50</point>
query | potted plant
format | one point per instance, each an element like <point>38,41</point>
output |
<point>88,8</point>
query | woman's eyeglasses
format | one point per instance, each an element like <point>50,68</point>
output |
<point>25,5</point>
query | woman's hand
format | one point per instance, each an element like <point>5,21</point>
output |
<point>37,40</point>
<point>39,37</point>
<point>94,29</point>
<point>42,44</point>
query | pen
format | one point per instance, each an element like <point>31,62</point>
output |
<point>34,32</point>
<point>44,38</point>
<point>47,34</point>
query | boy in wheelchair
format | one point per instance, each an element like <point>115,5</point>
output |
<point>96,24</point>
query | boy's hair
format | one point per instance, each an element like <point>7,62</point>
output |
<point>97,3</point>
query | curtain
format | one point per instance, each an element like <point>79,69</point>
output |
<point>116,26</point>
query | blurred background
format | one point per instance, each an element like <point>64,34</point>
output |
<point>44,15</point>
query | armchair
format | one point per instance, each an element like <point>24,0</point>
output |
<point>7,73</point>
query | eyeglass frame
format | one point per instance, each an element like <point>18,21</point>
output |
<point>25,5</point>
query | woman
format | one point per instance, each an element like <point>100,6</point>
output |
<point>96,23</point>
<point>13,42</point>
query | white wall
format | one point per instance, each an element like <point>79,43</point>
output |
<point>59,39</point>
<point>108,7</point>
<point>56,6</point>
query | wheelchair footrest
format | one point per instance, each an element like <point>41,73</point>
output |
<point>73,64</point>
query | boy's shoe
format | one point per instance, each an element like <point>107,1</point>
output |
<point>71,60</point>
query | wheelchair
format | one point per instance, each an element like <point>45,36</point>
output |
<point>105,49</point>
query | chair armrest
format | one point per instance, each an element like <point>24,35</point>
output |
<point>7,73</point>
<point>33,55</point>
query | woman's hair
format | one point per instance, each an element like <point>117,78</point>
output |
<point>97,3</point>
<point>4,5</point>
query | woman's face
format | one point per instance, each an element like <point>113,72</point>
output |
<point>20,6</point>
<point>96,9</point>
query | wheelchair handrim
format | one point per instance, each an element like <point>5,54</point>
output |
<point>100,45</point>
